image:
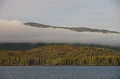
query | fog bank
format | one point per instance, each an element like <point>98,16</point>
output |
<point>15,32</point>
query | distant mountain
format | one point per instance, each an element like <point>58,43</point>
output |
<point>27,46</point>
<point>78,29</point>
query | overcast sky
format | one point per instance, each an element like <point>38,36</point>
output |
<point>101,14</point>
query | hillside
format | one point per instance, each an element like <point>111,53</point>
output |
<point>27,46</point>
<point>61,55</point>
<point>78,29</point>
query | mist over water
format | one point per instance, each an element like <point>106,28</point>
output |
<point>15,31</point>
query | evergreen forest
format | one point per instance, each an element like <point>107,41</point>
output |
<point>60,55</point>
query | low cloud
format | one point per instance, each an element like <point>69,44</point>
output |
<point>15,31</point>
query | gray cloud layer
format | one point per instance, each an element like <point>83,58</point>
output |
<point>102,14</point>
<point>15,31</point>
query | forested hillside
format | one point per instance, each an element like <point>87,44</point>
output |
<point>60,55</point>
<point>27,46</point>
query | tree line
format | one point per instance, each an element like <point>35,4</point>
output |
<point>60,55</point>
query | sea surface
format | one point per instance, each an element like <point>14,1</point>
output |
<point>59,72</point>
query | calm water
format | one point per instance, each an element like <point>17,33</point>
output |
<point>59,72</point>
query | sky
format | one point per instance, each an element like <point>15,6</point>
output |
<point>100,14</point>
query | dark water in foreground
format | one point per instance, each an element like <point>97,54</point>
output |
<point>59,72</point>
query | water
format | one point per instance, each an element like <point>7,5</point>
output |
<point>59,72</point>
